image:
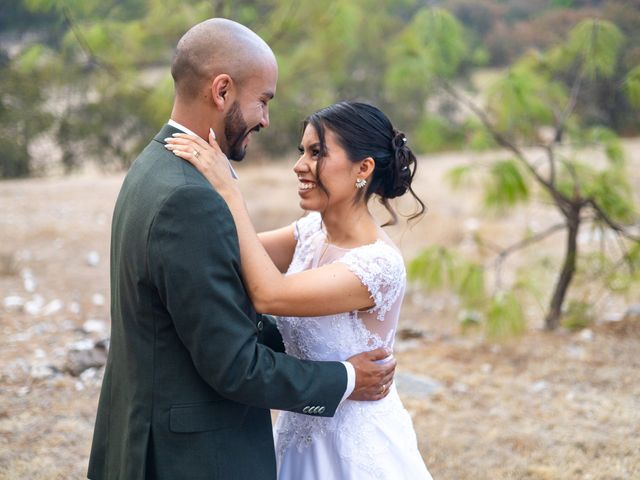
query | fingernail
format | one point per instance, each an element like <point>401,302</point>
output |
<point>168,139</point>
<point>212,133</point>
<point>175,135</point>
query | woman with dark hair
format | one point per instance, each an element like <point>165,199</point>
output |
<point>336,282</point>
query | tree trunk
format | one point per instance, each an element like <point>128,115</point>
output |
<point>552,321</point>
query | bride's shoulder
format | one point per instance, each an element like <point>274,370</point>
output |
<point>380,253</point>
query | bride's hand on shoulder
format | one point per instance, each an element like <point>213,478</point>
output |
<point>206,157</point>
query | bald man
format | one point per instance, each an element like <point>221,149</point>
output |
<point>193,370</point>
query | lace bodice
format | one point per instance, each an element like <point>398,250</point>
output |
<point>379,266</point>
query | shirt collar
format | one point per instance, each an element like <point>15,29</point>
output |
<point>175,124</point>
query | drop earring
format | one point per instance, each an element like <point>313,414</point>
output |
<point>360,183</point>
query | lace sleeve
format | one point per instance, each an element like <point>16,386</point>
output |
<point>307,226</point>
<point>380,268</point>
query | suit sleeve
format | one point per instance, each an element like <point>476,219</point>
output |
<point>271,335</point>
<point>194,262</point>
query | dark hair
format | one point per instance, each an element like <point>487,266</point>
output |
<point>363,130</point>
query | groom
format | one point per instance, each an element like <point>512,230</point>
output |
<point>192,369</point>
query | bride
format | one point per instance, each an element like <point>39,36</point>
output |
<point>336,282</point>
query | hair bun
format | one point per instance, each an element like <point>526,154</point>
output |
<point>400,174</point>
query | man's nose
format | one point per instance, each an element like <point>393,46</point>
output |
<point>264,123</point>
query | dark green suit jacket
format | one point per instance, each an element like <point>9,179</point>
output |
<point>189,379</point>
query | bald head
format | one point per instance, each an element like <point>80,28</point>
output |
<point>214,47</point>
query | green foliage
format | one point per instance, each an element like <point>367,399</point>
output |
<point>435,134</point>
<point>623,277</point>
<point>578,316</point>
<point>506,185</point>
<point>431,46</point>
<point>389,53</point>
<point>21,118</point>
<point>505,317</point>
<point>611,143</point>
<point>479,139</point>
<point>460,175</point>
<point>632,86</point>
<point>596,44</point>
<point>522,100</point>
<point>437,268</point>
<point>612,191</point>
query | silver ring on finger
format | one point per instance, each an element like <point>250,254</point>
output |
<point>195,153</point>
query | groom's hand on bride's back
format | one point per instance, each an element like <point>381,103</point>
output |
<point>374,374</point>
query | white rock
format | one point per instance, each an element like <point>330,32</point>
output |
<point>40,372</point>
<point>416,385</point>
<point>97,299</point>
<point>33,306</point>
<point>30,284</point>
<point>586,335</point>
<point>613,317</point>
<point>13,302</point>
<point>460,387</point>
<point>74,307</point>
<point>633,311</point>
<point>486,368</point>
<point>92,258</point>
<point>94,325</point>
<point>85,344</point>
<point>79,386</point>
<point>539,386</point>
<point>28,280</point>
<point>39,353</point>
<point>54,306</point>
<point>24,391</point>
<point>471,224</point>
<point>89,374</point>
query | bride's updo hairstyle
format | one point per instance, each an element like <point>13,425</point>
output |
<point>363,131</point>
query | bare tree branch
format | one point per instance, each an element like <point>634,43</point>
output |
<point>568,110</point>
<point>576,181</point>
<point>613,225</point>
<point>505,252</point>
<point>503,141</point>
<point>552,164</point>
<point>525,242</point>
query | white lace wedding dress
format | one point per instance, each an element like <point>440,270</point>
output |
<point>364,440</point>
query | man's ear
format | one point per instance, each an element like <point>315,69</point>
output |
<point>222,91</point>
<point>367,166</point>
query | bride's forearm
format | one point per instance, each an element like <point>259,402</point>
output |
<point>261,276</point>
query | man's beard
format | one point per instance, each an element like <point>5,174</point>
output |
<point>235,131</point>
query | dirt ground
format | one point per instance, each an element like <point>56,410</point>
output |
<point>560,405</point>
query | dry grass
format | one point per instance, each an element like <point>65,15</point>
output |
<point>547,406</point>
